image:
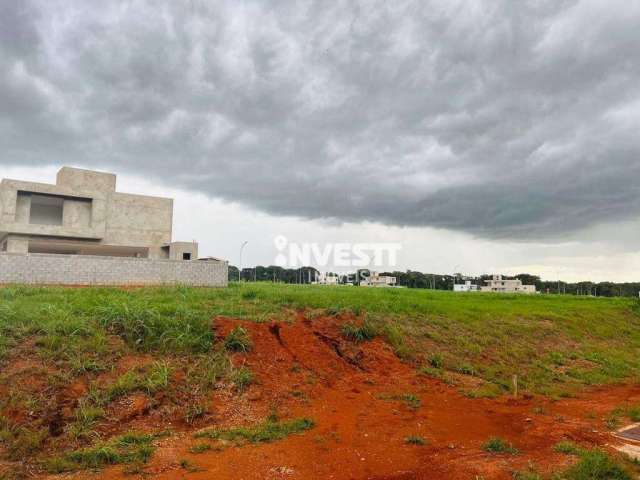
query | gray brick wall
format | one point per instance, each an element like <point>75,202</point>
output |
<point>47,269</point>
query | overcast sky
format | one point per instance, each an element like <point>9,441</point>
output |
<point>483,136</point>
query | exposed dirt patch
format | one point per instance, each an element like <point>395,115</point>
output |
<point>354,393</point>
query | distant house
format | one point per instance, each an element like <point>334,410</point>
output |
<point>377,280</point>
<point>500,285</point>
<point>328,279</point>
<point>467,286</point>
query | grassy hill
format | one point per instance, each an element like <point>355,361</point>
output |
<point>553,343</point>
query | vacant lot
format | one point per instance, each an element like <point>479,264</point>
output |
<point>275,381</point>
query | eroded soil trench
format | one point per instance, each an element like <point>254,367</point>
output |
<point>354,394</point>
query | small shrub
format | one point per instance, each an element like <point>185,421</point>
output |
<point>498,445</point>
<point>466,369</point>
<point>298,394</point>
<point>612,422</point>
<point>200,448</point>
<point>436,360</point>
<point>123,385</point>
<point>242,378</point>
<point>206,371</point>
<point>430,372</point>
<point>194,411</point>
<point>567,447</point>
<point>411,400</point>
<point>59,465</point>
<point>238,340</point>
<point>557,358</point>
<point>596,465</point>
<point>487,390</point>
<point>415,440</point>
<point>249,295</point>
<point>23,442</point>
<point>87,416</point>
<point>395,338</point>
<point>157,378</point>
<point>81,364</point>
<point>189,466</point>
<point>359,333</point>
<point>634,413</point>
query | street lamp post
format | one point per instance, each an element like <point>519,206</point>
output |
<point>455,271</point>
<point>240,267</point>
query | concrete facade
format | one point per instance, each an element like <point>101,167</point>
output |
<point>83,215</point>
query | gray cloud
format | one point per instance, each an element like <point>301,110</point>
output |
<point>503,119</point>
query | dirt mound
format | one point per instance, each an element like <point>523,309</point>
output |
<point>376,417</point>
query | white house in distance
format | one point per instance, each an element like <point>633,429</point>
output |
<point>377,280</point>
<point>499,285</point>
<point>467,286</point>
<point>327,279</point>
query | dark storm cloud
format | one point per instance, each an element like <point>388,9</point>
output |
<point>504,119</point>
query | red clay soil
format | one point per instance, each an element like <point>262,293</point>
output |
<point>306,369</point>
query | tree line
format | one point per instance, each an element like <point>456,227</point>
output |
<point>434,281</point>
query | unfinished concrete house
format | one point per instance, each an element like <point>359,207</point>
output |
<point>82,231</point>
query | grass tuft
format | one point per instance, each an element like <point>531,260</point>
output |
<point>249,295</point>
<point>411,400</point>
<point>596,465</point>
<point>132,448</point>
<point>436,360</point>
<point>268,431</point>
<point>498,445</point>
<point>150,381</point>
<point>359,333</point>
<point>238,340</point>
<point>200,448</point>
<point>87,416</point>
<point>415,440</point>
<point>242,378</point>
<point>567,447</point>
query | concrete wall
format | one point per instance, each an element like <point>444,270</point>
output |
<point>17,244</point>
<point>78,179</point>
<point>16,213</point>
<point>138,220</point>
<point>23,208</point>
<point>46,269</point>
<point>76,212</point>
<point>178,249</point>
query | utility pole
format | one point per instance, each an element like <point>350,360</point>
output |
<point>240,268</point>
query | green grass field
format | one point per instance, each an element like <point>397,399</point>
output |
<point>553,343</point>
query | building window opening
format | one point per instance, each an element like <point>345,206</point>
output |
<point>186,256</point>
<point>46,210</point>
